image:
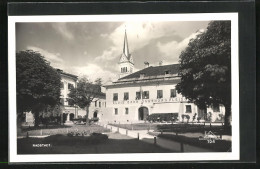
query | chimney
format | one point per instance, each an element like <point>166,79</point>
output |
<point>160,63</point>
<point>146,64</point>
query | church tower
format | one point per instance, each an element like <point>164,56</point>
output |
<point>126,62</point>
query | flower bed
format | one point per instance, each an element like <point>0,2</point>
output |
<point>64,130</point>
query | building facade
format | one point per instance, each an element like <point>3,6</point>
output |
<point>69,110</point>
<point>135,95</point>
<point>68,81</point>
<point>96,108</point>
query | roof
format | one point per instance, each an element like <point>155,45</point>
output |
<point>67,74</point>
<point>155,71</point>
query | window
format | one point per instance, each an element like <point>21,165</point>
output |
<point>115,97</point>
<point>216,108</point>
<point>70,86</point>
<point>146,95</point>
<point>173,92</point>
<point>125,69</point>
<point>116,111</point>
<point>188,108</point>
<point>126,96</point>
<point>62,85</point>
<point>142,75</point>
<point>138,96</point>
<point>126,111</point>
<point>99,104</point>
<point>95,103</point>
<point>159,94</point>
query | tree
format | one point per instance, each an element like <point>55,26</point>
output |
<point>205,68</point>
<point>85,93</point>
<point>38,84</point>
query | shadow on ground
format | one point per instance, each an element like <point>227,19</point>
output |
<point>79,145</point>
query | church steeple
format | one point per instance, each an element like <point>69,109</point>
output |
<point>125,48</point>
<point>126,62</point>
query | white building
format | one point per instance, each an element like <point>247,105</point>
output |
<point>71,111</point>
<point>68,81</point>
<point>136,95</point>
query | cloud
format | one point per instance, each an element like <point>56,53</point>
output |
<point>85,53</point>
<point>109,54</point>
<point>103,35</point>
<point>63,30</point>
<point>139,34</point>
<point>92,71</point>
<point>173,49</point>
<point>53,58</point>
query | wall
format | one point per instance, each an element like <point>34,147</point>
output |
<point>165,105</point>
<point>65,91</point>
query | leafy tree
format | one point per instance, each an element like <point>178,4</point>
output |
<point>38,84</point>
<point>85,93</point>
<point>205,68</point>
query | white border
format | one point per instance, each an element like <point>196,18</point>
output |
<point>234,155</point>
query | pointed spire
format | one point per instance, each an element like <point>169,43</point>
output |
<point>126,49</point>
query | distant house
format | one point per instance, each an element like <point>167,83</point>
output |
<point>69,110</point>
<point>135,95</point>
<point>68,81</point>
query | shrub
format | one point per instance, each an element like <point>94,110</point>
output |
<point>162,117</point>
<point>70,134</point>
<point>209,116</point>
<point>79,120</point>
<point>194,117</point>
<point>188,118</point>
<point>94,119</point>
<point>183,116</point>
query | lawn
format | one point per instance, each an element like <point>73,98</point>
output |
<point>62,144</point>
<point>186,133</point>
<point>137,126</point>
<point>179,128</point>
<point>61,129</point>
<point>218,145</point>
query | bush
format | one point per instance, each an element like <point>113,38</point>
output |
<point>194,117</point>
<point>79,120</point>
<point>188,118</point>
<point>94,119</point>
<point>183,116</point>
<point>162,117</point>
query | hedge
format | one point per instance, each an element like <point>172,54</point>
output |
<point>162,117</point>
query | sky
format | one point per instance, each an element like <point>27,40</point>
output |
<point>93,49</point>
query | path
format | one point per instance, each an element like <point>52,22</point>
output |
<point>164,143</point>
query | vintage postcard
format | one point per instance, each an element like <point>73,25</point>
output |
<point>107,88</point>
